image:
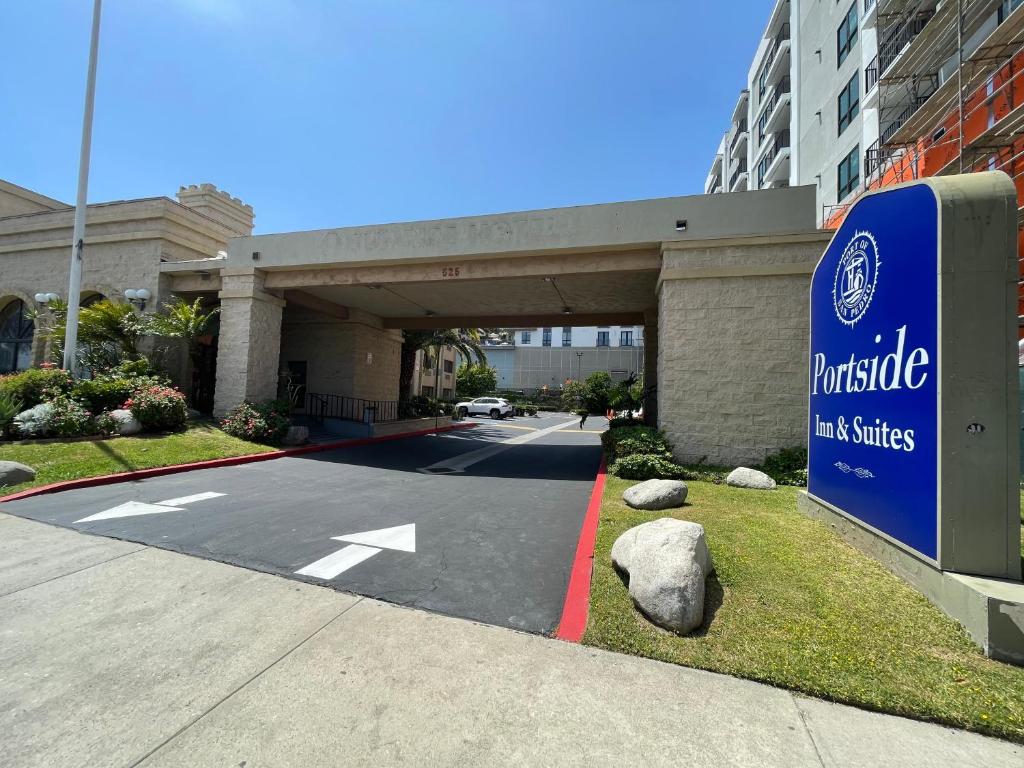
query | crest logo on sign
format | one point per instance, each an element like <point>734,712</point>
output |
<point>856,278</point>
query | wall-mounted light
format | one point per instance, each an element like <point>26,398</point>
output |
<point>680,225</point>
<point>138,297</point>
<point>45,298</point>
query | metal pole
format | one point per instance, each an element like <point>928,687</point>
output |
<point>78,237</point>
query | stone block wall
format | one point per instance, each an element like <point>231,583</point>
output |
<point>733,349</point>
<point>353,357</point>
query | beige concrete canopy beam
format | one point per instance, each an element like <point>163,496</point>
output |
<point>464,269</point>
<point>309,301</point>
<point>514,321</point>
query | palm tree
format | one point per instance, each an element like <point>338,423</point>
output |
<point>108,333</point>
<point>181,320</point>
<point>465,341</point>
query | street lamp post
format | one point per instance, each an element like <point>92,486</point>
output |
<point>78,237</point>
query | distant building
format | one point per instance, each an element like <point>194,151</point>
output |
<point>545,357</point>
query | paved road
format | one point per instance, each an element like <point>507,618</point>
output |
<point>493,514</point>
<point>118,654</point>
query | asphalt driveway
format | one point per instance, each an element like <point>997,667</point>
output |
<point>480,523</point>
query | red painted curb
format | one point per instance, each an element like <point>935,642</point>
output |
<point>573,623</point>
<point>230,461</point>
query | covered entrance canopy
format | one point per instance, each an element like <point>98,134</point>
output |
<point>347,292</point>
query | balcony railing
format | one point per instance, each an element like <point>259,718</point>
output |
<point>902,118</point>
<point>781,37</point>
<point>871,75</point>
<point>894,43</point>
<point>328,406</point>
<point>868,5</point>
<point>779,143</point>
<point>780,90</point>
<point>740,169</point>
<point>740,130</point>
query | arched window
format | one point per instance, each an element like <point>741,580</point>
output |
<point>16,330</point>
<point>92,298</point>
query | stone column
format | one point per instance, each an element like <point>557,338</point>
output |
<point>651,366</point>
<point>250,340</point>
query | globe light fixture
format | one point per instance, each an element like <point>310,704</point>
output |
<point>138,297</point>
<point>45,298</point>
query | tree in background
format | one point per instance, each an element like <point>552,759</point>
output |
<point>598,391</point>
<point>476,380</point>
<point>465,341</point>
<point>108,333</point>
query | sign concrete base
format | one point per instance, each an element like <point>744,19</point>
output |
<point>991,610</point>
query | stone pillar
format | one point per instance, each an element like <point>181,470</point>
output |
<point>651,366</point>
<point>733,346</point>
<point>250,340</point>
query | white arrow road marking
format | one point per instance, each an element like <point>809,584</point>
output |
<point>183,500</point>
<point>338,562</point>
<point>400,537</point>
<point>134,508</point>
<point>463,462</point>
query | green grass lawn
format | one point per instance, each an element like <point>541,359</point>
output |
<point>792,605</point>
<point>54,462</point>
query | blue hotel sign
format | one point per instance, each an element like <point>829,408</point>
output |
<point>913,325</point>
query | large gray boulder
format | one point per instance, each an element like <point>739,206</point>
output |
<point>35,422</point>
<point>12,473</point>
<point>655,494</point>
<point>744,477</point>
<point>296,435</point>
<point>667,561</point>
<point>125,422</point>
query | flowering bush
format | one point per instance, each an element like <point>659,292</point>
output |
<point>260,423</point>
<point>69,418</point>
<point>158,407</point>
<point>36,385</point>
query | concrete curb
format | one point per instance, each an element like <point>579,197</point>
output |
<point>230,461</point>
<point>576,608</point>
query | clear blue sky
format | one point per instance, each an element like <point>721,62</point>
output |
<point>324,113</point>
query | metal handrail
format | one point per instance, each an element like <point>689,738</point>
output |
<point>740,130</point>
<point>871,75</point>
<point>780,142</point>
<point>740,169</point>
<point>781,90</point>
<point>890,49</point>
<point>330,406</point>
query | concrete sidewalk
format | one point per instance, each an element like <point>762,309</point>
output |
<point>118,654</point>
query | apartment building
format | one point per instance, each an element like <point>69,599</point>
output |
<point>855,95</point>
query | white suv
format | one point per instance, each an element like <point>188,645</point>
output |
<point>495,407</point>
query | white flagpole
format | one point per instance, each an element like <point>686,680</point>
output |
<point>77,244</point>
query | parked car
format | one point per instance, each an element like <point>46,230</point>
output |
<point>495,407</point>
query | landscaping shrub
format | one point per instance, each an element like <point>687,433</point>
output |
<point>787,467</point>
<point>159,408</point>
<point>597,396</point>
<point>10,406</point>
<point>624,421</point>
<point>260,423</point>
<point>611,437</point>
<point>69,418</point>
<point>105,393</point>
<point>643,466</point>
<point>36,385</point>
<point>475,380</point>
<point>653,444</point>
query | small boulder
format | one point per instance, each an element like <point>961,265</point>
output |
<point>296,435</point>
<point>35,422</point>
<point>667,561</point>
<point>744,477</point>
<point>655,494</point>
<point>125,422</point>
<point>12,473</point>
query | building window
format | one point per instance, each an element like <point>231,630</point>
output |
<point>602,339</point>
<point>449,366</point>
<point>625,338</point>
<point>524,337</point>
<point>545,339</point>
<point>446,394</point>
<point>849,174</point>
<point>428,361</point>
<point>567,337</point>
<point>16,330</point>
<point>427,390</point>
<point>846,35</point>
<point>849,103</point>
